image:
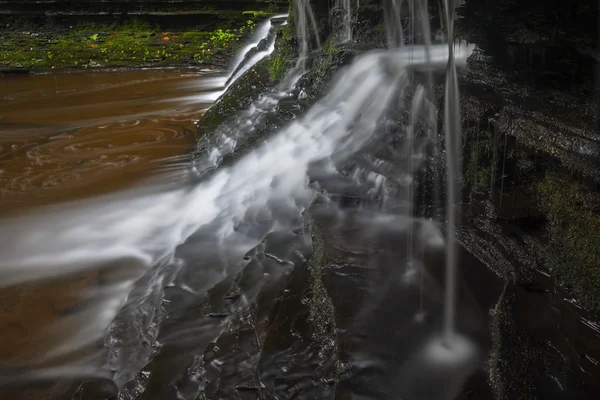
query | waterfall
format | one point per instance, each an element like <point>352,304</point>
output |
<point>345,9</point>
<point>229,136</point>
<point>261,45</point>
<point>452,131</point>
<point>224,210</point>
<point>260,33</point>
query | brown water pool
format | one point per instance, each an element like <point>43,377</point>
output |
<point>68,136</point>
<point>72,136</point>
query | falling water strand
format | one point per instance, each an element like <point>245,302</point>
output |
<point>503,169</point>
<point>494,160</point>
<point>305,17</point>
<point>452,131</point>
<point>253,53</point>
<point>344,7</point>
<point>416,109</point>
<point>393,23</point>
<point>212,149</point>
<point>423,12</point>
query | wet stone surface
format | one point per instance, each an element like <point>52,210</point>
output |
<point>375,295</point>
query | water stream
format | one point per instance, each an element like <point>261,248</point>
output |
<point>345,10</point>
<point>230,212</point>
<point>184,266</point>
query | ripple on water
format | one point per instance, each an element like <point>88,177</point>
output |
<point>94,133</point>
<point>56,164</point>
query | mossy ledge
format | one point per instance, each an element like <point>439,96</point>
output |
<point>130,43</point>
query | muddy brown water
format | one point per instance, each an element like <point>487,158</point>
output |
<point>72,136</point>
<point>69,136</point>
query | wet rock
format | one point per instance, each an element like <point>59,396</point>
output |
<point>365,280</point>
<point>238,97</point>
<point>533,359</point>
<point>260,47</point>
<point>530,135</point>
<point>221,333</point>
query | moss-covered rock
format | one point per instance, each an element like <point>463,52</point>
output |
<point>573,212</point>
<point>285,53</point>
<point>130,44</point>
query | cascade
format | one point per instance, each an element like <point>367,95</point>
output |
<point>218,212</point>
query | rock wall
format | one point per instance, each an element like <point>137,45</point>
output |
<point>531,185</point>
<point>168,14</point>
<point>125,6</point>
<point>532,140</point>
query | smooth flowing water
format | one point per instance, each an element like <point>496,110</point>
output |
<point>67,141</point>
<point>94,133</point>
<point>198,266</point>
<point>155,227</point>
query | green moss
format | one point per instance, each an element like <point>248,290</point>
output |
<point>285,52</point>
<point>277,67</point>
<point>321,310</point>
<point>134,43</point>
<point>574,218</point>
<point>259,14</point>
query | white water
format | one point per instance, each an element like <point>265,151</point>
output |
<point>239,66</point>
<point>260,32</point>
<point>144,226</point>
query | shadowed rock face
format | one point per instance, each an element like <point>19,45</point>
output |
<point>518,134</point>
<point>382,316</point>
<point>531,137</point>
<point>560,24</point>
<point>125,6</point>
<point>168,14</point>
<point>530,134</point>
